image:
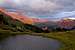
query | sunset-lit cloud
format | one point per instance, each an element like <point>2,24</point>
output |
<point>41,8</point>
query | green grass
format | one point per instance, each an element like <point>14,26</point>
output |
<point>67,38</point>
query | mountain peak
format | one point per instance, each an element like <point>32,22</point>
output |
<point>17,16</point>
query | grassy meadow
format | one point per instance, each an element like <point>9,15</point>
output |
<point>9,27</point>
<point>67,38</point>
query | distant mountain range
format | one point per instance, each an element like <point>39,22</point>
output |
<point>14,22</point>
<point>67,23</point>
<point>24,19</point>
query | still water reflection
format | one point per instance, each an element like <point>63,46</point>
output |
<point>28,42</point>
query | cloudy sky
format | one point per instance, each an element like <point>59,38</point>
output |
<point>41,8</point>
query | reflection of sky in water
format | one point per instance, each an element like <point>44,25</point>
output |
<point>42,8</point>
<point>27,42</point>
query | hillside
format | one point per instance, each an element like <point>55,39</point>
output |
<point>14,27</point>
<point>67,23</point>
<point>11,27</point>
<point>17,16</point>
<point>9,22</point>
<point>66,37</point>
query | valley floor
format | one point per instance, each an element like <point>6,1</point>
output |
<point>67,38</point>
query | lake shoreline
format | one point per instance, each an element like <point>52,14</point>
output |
<point>63,37</point>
